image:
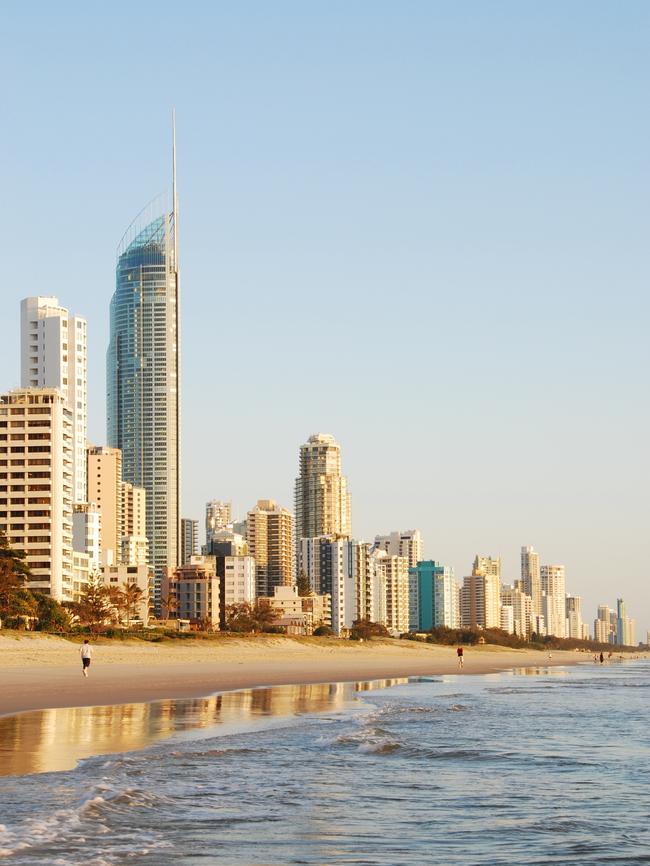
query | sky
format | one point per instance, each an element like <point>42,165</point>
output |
<point>419,226</point>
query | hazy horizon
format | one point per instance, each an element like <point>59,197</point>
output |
<point>422,229</point>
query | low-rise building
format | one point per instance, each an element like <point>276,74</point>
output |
<point>310,610</point>
<point>192,592</point>
<point>121,576</point>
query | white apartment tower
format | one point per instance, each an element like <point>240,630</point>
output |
<point>36,485</point>
<point>407,543</point>
<point>218,515</point>
<point>54,354</point>
<point>322,497</point>
<point>553,588</point>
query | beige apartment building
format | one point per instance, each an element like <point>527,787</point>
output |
<point>269,533</point>
<point>191,592</point>
<point>122,506</point>
<point>301,614</point>
<point>480,595</point>
<point>36,485</point>
<point>321,495</point>
<point>396,575</point>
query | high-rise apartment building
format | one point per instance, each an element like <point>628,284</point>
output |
<point>396,569</point>
<point>36,485</point>
<point>189,539</point>
<point>432,596</point>
<point>530,576</point>
<point>143,385</point>
<point>573,611</point>
<point>87,533</point>
<point>322,497</point>
<point>480,595</point>
<point>54,354</point>
<point>521,604</point>
<point>122,507</point>
<point>553,587</point>
<point>269,532</point>
<point>407,543</point>
<point>218,515</point>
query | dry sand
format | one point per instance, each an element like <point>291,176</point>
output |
<point>38,671</point>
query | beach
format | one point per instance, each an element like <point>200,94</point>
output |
<point>41,671</point>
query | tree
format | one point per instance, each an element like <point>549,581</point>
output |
<point>14,571</point>
<point>365,629</point>
<point>94,608</point>
<point>245,617</point>
<point>303,584</point>
<point>52,616</point>
<point>132,595</point>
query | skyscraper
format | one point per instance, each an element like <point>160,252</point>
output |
<point>143,386</point>
<point>530,576</point>
<point>553,587</point>
<point>189,539</point>
<point>54,354</point>
<point>269,532</point>
<point>322,498</point>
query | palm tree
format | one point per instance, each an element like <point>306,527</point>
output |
<point>132,596</point>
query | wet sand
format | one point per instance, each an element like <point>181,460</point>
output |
<point>39,672</point>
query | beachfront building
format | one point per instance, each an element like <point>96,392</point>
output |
<point>122,508</point>
<point>269,533</point>
<point>480,595</point>
<point>573,611</point>
<point>507,618</point>
<point>36,485</point>
<point>521,604</point>
<point>54,354</point>
<point>407,543</point>
<point>192,592</point>
<point>86,533</point>
<point>322,500</point>
<point>531,578</point>
<point>396,572</point>
<point>605,625</point>
<point>431,596</point>
<point>307,611</point>
<point>218,515</point>
<point>236,575</point>
<point>553,588</point>
<point>121,576</point>
<point>189,539</point>
<point>142,375</point>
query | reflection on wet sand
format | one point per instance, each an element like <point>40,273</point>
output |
<point>48,740</point>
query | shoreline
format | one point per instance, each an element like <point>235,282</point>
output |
<point>42,672</point>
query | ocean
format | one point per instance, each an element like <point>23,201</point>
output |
<point>532,766</point>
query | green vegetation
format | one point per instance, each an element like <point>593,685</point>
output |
<point>364,629</point>
<point>257,617</point>
<point>497,637</point>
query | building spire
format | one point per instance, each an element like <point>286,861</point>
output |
<point>174,193</point>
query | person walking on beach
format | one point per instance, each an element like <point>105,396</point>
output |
<point>86,655</point>
<point>602,658</point>
<point>459,653</point>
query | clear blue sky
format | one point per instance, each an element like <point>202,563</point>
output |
<point>420,226</point>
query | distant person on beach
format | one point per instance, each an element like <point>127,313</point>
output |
<point>86,655</point>
<point>602,658</point>
<point>459,653</point>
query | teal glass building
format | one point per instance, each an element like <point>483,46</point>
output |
<point>142,374</point>
<point>432,596</point>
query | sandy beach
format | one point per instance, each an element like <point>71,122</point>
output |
<point>39,672</point>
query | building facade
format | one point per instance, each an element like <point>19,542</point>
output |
<point>218,515</point>
<point>553,588</point>
<point>54,354</point>
<point>189,539</point>
<point>321,495</point>
<point>406,543</point>
<point>36,485</point>
<point>269,533</point>
<point>531,578</point>
<point>431,596</point>
<point>143,386</point>
<point>191,592</point>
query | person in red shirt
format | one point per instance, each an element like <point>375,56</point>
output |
<point>459,653</point>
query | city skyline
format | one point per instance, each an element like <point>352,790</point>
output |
<point>561,292</point>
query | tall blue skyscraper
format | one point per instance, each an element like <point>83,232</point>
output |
<point>142,381</point>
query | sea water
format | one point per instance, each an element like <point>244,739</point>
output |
<point>545,766</point>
